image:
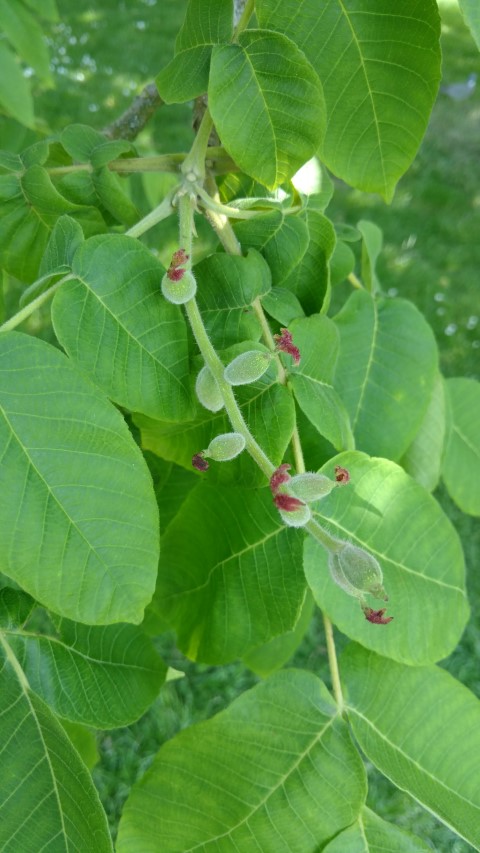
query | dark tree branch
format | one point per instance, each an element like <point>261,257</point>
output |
<point>134,119</point>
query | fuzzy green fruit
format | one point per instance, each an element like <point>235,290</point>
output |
<point>207,390</point>
<point>180,291</point>
<point>247,367</point>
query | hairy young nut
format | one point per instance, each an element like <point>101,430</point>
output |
<point>247,367</point>
<point>180,291</point>
<point>310,487</point>
<point>295,517</point>
<point>224,447</point>
<point>356,571</point>
<point>207,390</point>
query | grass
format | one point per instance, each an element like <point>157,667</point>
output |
<point>431,255</point>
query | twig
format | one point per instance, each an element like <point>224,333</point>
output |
<point>136,116</point>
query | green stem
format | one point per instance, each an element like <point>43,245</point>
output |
<point>333,663</point>
<point>185,214</point>
<point>353,279</point>
<point>225,209</point>
<point>32,306</point>
<point>220,223</point>
<point>193,167</point>
<point>231,406</point>
<point>156,215</point>
<point>329,542</point>
<point>244,18</point>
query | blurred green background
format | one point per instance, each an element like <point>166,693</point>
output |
<point>102,54</point>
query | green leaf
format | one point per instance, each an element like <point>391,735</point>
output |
<point>423,459</point>
<point>461,461</point>
<point>432,756</point>
<point>46,793</point>
<point>26,36</point>
<point>30,210</point>
<point>371,834</point>
<point>268,409</point>
<point>15,607</point>
<point>385,372</point>
<point>10,162</point>
<point>84,144</point>
<point>78,518</point>
<point>227,286</point>
<point>282,305</point>
<point>275,771</point>
<point>230,575</point>
<point>113,321</point>
<point>371,247</point>
<point>310,279</point>
<point>171,484</point>
<point>207,22</point>
<point>471,13</point>
<point>108,187</point>
<point>282,240</point>
<point>15,95</point>
<point>65,239</point>
<point>388,514</point>
<point>104,677</point>
<point>342,263</point>
<point>283,124</point>
<point>312,384</point>
<point>380,74</point>
<point>84,741</point>
<point>271,656</point>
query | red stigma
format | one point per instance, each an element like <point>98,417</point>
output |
<point>199,462</point>
<point>287,502</point>
<point>342,476</point>
<point>179,258</point>
<point>376,616</point>
<point>279,477</point>
<point>284,343</point>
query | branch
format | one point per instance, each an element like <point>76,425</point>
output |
<point>136,116</point>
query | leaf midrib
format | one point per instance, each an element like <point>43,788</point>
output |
<point>396,748</point>
<point>271,792</point>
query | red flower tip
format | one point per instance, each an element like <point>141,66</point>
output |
<point>284,343</point>
<point>376,616</point>
<point>342,476</point>
<point>279,477</point>
<point>175,274</point>
<point>199,462</point>
<point>178,258</point>
<point>287,502</point>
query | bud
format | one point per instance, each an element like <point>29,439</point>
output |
<point>208,391</point>
<point>247,367</point>
<point>179,291</point>
<point>356,571</point>
<point>310,487</point>
<point>225,447</point>
<point>293,517</point>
